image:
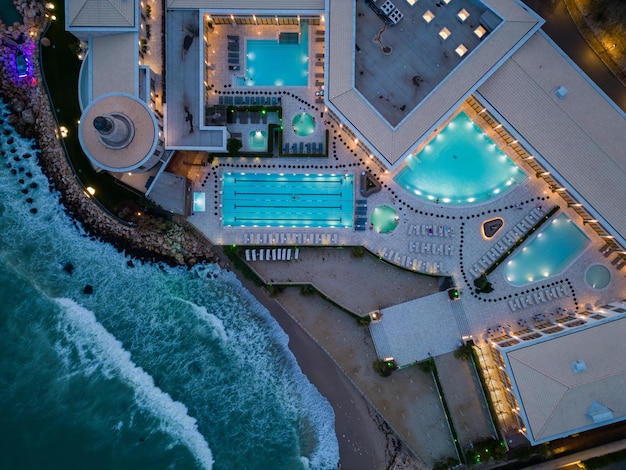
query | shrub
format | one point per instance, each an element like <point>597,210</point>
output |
<point>357,252</point>
<point>307,290</point>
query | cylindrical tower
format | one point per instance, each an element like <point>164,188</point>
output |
<point>120,133</point>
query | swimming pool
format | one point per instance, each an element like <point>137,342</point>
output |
<point>303,124</point>
<point>598,276</point>
<point>271,63</point>
<point>461,165</point>
<point>384,219</point>
<point>258,140</point>
<point>549,253</point>
<point>287,200</point>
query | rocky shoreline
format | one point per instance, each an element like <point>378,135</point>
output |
<point>152,239</point>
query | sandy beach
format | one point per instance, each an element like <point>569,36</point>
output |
<point>365,439</point>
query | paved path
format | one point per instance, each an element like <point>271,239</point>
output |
<point>583,455</point>
<point>361,285</point>
<point>465,400</point>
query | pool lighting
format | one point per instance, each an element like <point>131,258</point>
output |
<point>91,190</point>
<point>64,131</point>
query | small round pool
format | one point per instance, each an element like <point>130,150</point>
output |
<point>598,276</point>
<point>303,124</point>
<point>384,219</point>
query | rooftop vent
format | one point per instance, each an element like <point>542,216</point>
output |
<point>561,92</point>
<point>598,412</point>
<point>579,366</point>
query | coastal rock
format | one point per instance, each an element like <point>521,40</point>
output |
<point>68,268</point>
<point>88,290</point>
<point>28,117</point>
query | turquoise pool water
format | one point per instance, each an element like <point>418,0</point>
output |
<point>549,253</point>
<point>269,63</point>
<point>461,165</point>
<point>598,276</point>
<point>303,124</point>
<point>287,200</point>
<point>258,140</point>
<point>384,219</point>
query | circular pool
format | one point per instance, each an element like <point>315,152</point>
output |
<point>384,219</point>
<point>598,276</point>
<point>303,124</point>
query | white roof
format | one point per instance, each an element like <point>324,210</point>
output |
<point>582,136</point>
<point>555,399</point>
<point>100,13</point>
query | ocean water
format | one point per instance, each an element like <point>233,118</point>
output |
<point>158,368</point>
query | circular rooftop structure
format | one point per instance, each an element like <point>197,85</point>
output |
<point>118,132</point>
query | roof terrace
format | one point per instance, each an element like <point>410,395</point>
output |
<point>397,67</point>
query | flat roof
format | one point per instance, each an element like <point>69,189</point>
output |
<point>185,90</point>
<point>100,13</point>
<point>416,330</point>
<point>113,65</point>
<point>392,143</point>
<point>582,136</point>
<point>555,399</point>
<point>419,58</point>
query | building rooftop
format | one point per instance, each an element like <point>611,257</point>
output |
<point>100,13</point>
<point>571,383</point>
<point>113,64</point>
<point>393,141</point>
<point>142,144</point>
<point>251,6</point>
<point>572,135</point>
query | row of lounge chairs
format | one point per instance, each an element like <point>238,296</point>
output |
<point>233,53</point>
<point>291,239</point>
<point>428,249</point>
<point>507,241</point>
<point>619,262</point>
<point>250,100</point>
<point>308,148</point>
<point>431,230</point>
<point>538,297</point>
<point>360,215</point>
<point>272,254</point>
<point>410,262</point>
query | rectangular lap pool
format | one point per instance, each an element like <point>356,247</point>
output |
<point>287,200</point>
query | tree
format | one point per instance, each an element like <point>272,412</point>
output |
<point>233,146</point>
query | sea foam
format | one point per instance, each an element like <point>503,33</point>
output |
<point>86,333</point>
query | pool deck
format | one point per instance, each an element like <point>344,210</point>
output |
<point>454,250</point>
<point>481,313</point>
